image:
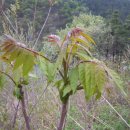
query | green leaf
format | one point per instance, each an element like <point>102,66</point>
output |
<point>59,84</point>
<point>73,77</point>
<point>92,77</point>
<point>17,75</point>
<point>16,93</point>
<point>48,69</point>
<point>19,60</point>
<point>83,56</point>
<point>25,82</point>
<point>66,90</point>
<point>43,65</point>
<point>82,42</point>
<point>100,77</point>
<point>84,49</point>
<point>72,48</point>
<point>18,54</point>
<point>14,55</point>
<point>28,64</point>
<point>59,61</point>
<point>116,78</point>
<point>88,38</point>
<point>83,78</point>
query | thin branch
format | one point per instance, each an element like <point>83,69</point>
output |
<point>39,99</point>
<point>85,61</point>
<point>69,57</point>
<point>61,74</point>
<point>9,77</point>
<point>34,18</point>
<point>2,5</point>
<point>75,122</point>
<point>79,87</point>
<point>85,49</point>
<point>42,27</point>
<point>15,115</point>
<point>9,21</point>
<point>98,119</point>
<point>116,111</point>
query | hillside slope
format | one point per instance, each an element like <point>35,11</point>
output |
<point>105,7</point>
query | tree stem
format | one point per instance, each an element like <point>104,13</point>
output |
<point>61,124</point>
<point>24,109</point>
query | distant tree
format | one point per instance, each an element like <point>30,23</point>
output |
<point>104,7</point>
<point>70,8</point>
<point>127,27</point>
<point>120,34</point>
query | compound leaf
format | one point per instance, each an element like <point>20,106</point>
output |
<point>73,77</point>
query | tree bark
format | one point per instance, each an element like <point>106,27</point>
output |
<point>24,109</point>
<point>61,124</point>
